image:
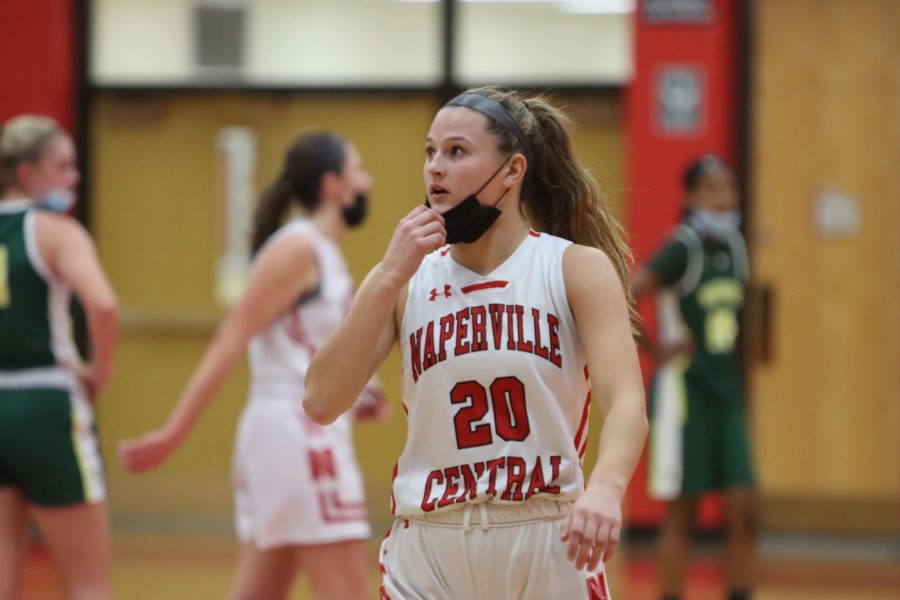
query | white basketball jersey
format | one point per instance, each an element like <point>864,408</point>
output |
<point>494,383</point>
<point>280,354</point>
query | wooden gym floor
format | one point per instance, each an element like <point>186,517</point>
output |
<point>177,567</point>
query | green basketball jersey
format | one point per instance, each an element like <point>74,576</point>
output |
<point>704,281</point>
<point>33,305</point>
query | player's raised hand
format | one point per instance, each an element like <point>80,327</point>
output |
<point>593,527</point>
<point>417,234</point>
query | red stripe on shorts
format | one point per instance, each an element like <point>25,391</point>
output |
<point>332,513</point>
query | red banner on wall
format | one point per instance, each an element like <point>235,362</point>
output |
<point>38,59</point>
<point>681,104</point>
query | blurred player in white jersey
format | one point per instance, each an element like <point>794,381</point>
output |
<point>506,335</point>
<point>298,491</point>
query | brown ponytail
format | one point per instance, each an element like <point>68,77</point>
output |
<point>269,212</point>
<point>558,195</point>
<point>309,157</point>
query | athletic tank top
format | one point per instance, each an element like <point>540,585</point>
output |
<point>494,383</point>
<point>703,291</point>
<point>280,354</point>
<point>34,319</point>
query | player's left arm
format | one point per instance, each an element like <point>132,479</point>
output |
<point>597,300</point>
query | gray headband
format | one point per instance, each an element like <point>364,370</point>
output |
<point>496,112</point>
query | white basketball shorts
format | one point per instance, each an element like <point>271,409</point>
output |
<point>486,552</point>
<point>296,482</point>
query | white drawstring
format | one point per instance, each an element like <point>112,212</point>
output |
<point>482,514</point>
<point>467,517</point>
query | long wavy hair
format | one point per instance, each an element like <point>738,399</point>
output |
<point>559,196</point>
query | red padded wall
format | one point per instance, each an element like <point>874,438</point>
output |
<point>38,59</point>
<point>656,157</point>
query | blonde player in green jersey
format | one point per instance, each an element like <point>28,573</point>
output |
<point>698,439</point>
<point>50,465</point>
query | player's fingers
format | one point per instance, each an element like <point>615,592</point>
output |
<point>615,534</point>
<point>591,525</point>
<point>433,227</point>
<point>576,535</point>
<point>600,547</point>
<point>425,215</point>
<point>566,527</point>
<point>435,240</point>
<point>584,554</point>
<point>415,212</point>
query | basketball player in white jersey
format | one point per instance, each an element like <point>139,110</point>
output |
<point>507,333</point>
<point>298,491</point>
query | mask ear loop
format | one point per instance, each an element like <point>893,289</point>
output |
<point>490,179</point>
<point>500,198</point>
<point>492,176</point>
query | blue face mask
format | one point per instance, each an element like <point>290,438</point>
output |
<point>718,225</point>
<point>57,200</point>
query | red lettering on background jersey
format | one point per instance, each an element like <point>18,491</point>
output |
<point>334,510</point>
<point>321,464</point>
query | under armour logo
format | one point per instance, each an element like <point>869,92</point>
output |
<point>434,293</point>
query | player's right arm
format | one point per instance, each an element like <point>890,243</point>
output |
<point>67,250</point>
<point>342,366</point>
<point>286,268</point>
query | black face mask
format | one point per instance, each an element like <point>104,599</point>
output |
<point>356,214</point>
<point>469,220</point>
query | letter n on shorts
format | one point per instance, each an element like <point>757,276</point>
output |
<point>596,585</point>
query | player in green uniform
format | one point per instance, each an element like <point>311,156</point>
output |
<point>50,465</point>
<point>698,438</point>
